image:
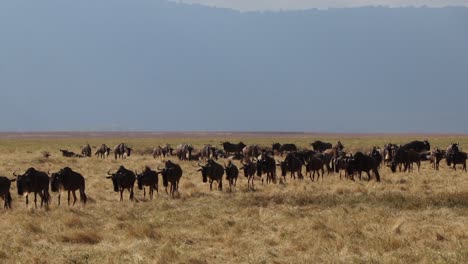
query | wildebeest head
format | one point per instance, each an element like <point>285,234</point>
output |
<point>204,171</point>
<point>115,180</point>
<point>276,146</point>
<point>55,180</point>
<point>427,145</point>
<point>21,181</point>
<point>339,145</point>
<point>128,151</point>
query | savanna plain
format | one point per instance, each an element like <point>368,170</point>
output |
<point>419,217</point>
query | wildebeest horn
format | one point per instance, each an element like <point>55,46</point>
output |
<point>14,174</point>
<point>48,172</point>
<point>108,173</point>
<point>199,165</point>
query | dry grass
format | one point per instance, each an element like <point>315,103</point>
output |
<point>419,217</point>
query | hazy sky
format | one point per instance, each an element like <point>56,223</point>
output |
<point>153,65</point>
<point>256,5</point>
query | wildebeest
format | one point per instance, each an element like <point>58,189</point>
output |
<point>376,153</point>
<point>70,154</point>
<point>436,156</point>
<point>232,172</point>
<point>389,152</point>
<point>405,157</point>
<point>212,171</point>
<point>208,152</point>
<point>361,162</point>
<point>305,155</point>
<point>103,151</point>
<point>418,146</point>
<point>456,156</point>
<point>250,168</point>
<point>86,151</point>
<point>171,174</point>
<point>292,165</point>
<point>231,148</point>
<point>5,185</point>
<point>314,165</point>
<point>267,165</point>
<point>183,151</point>
<point>281,149</point>
<point>33,181</point>
<point>162,151</point>
<point>122,180</point>
<point>250,151</point>
<point>68,180</point>
<point>320,145</point>
<point>122,151</point>
<point>341,164</point>
<point>147,178</point>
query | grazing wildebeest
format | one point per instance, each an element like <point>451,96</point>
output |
<point>103,151</point>
<point>122,180</point>
<point>267,165</point>
<point>68,180</point>
<point>405,157</point>
<point>232,172</point>
<point>208,152</point>
<point>183,151</point>
<point>214,172</point>
<point>418,146</point>
<point>436,156</point>
<point>148,178</point>
<point>250,151</point>
<point>122,151</point>
<point>361,162</point>
<point>293,165</point>
<point>250,168</point>
<point>456,156</point>
<point>314,165</point>
<point>5,185</point>
<point>231,148</point>
<point>171,174</point>
<point>70,154</point>
<point>321,146</point>
<point>33,181</point>
<point>86,151</point>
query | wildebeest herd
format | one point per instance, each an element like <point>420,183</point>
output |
<point>256,162</point>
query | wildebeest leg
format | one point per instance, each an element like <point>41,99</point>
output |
<point>74,197</point>
<point>60,193</point>
<point>312,176</point>
<point>151,192</point>
<point>131,194</point>
<point>35,200</point>
<point>68,198</point>
<point>144,192</point>
<point>211,185</point>
<point>27,201</point>
<point>368,175</point>
<point>220,186</point>
<point>121,194</point>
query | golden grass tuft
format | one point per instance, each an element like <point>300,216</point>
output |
<point>81,237</point>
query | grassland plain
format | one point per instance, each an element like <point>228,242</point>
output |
<point>407,218</point>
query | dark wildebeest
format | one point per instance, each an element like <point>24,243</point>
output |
<point>281,149</point>
<point>122,151</point>
<point>70,154</point>
<point>267,165</point>
<point>214,172</point>
<point>122,180</point>
<point>361,162</point>
<point>34,181</point>
<point>250,168</point>
<point>293,165</point>
<point>327,159</point>
<point>103,151</point>
<point>314,165</point>
<point>5,185</point>
<point>86,151</point>
<point>251,151</point>
<point>341,164</point>
<point>183,151</point>
<point>456,156</point>
<point>334,152</point>
<point>148,178</point>
<point>232,172</point>
<point>407,158</point>
<point>389,152</point>
<point>68,180</point>
<point>171,174</point>
<point>321,146</point>
<point>231,148</point>
<point>418,146</point>
<point>436,156</point>
<point>376,153</point>
<point>208,152</point>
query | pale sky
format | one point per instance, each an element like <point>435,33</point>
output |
<point>262,5</point>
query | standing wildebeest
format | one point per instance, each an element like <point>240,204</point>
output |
<point>250,151</point>
<point>184,151</point>
<point>341,164</point>
<point>389,152</point>
<point>5,185</point>
<point>103,151</point>
<point>314,165</point>
<point>208,152</point>
<point>405,157</point>
<point>283,148</point>
<point>456,156</point>
<point>376,153</point>
<point>361,162</point>
<point>232,172</point>
<point>418,146</point>
<point>158,152</point>
<point>436,156</point>
<point>171,174</point>
<point>293,165</point>
<point>250,168</point>
<point>122,180</point>
<point>33,181</point>
<point>214,172</point>
<point>86,151</point>
<point>231,148</point>
<point>148,178</point>
<point>68,180</point>
<point>122,151</point>
<point>320,145</point>
<point>267,165</point>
